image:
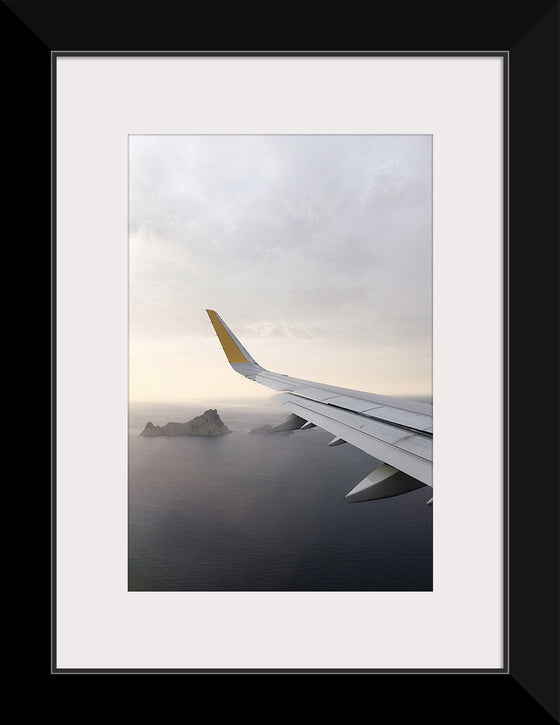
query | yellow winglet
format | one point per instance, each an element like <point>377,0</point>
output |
<point>230,344</point>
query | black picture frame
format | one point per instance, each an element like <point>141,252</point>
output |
<point>528,33</point>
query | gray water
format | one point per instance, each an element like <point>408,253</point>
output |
<point>247,512</point>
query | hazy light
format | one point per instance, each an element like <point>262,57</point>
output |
<point>316,250</point>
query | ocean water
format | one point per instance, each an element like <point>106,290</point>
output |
<point>248,512</point>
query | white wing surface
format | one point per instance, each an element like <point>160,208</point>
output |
<point>398,433</point>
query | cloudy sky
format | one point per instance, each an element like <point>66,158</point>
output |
<point>315,250</point>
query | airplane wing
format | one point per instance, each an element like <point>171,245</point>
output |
<point>398,433</point>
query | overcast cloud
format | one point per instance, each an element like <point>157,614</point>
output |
<point>322,242</point>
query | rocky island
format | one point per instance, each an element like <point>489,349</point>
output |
<point>263,430</point>
<point>207,424</point>
<point>292,422</point>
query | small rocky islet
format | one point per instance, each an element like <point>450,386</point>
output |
<point>207,424</point>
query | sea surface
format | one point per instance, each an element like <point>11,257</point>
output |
<point>249,512</point>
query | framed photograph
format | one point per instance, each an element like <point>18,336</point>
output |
<point>314,129</point>
<point>210,216</point>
